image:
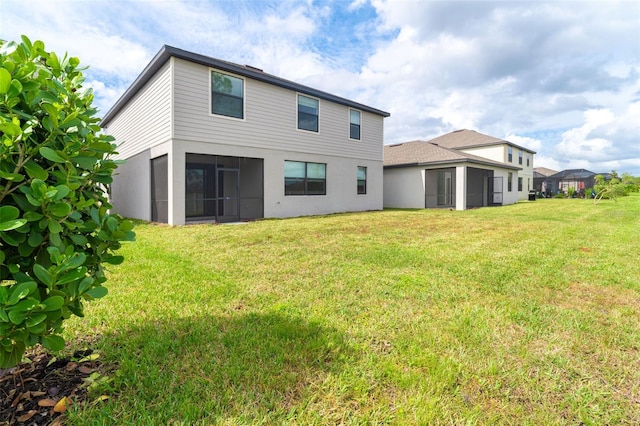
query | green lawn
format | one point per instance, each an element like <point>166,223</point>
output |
<point>523,314</point>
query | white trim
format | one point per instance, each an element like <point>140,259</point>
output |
<point>172,74</point>
<point>365,181</point>
<point>298,94</point>
<point>244,96</point>
<point>349,124</point>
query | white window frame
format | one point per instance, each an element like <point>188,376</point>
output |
<point>358,180</point>
<point>244,96</point>
<point>297,114</point>
<point>359,125</point>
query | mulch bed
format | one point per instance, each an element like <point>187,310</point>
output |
<point>37,393</point>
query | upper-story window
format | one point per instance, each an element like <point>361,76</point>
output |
<point>354,124</point>
<point>227,95</point>
<point>528,159</point>
<point>520,156</point>
<point>510,154</point>
<point>308,113</point>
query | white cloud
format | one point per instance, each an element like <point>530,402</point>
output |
<point>560,79</point>
<point>525,141</point>
<point>356,4</point>
<point>604,141</point>
<point>104,96</point>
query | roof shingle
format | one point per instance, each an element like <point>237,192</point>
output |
<point>426,153</point>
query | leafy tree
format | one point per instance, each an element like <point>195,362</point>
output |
<point>613,187</point>
<point>56,231</point>
<point>631,183</point>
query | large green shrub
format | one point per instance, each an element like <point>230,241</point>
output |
<point>56,231</point>
<point>611,188</point>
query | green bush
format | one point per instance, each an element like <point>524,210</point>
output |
<point>56,231</point>
<point>612,188</point>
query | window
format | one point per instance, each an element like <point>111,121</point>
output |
<point>227,95</point>
<point>354,124</point>
<point>307,113</point>
<point>509,181</point>
<point>510,154</point>
<point>528,159</point>
<point>519,156</point>
<point>520,184</point>
<point>362,180</point>
<point>302,178</point>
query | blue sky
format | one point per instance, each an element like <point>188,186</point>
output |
<point>560,78</point>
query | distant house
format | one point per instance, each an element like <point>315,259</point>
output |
<point>560,182</point>
<point>210,140</point>
<point>541,182</point>
<point>460,170</point>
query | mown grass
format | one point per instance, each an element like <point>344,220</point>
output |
<point>524,314</point>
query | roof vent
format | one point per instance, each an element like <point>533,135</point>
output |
<point>249,67</point>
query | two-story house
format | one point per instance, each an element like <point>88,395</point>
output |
<point>462,169</point>
<point>209,140</point>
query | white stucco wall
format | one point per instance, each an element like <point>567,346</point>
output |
<point>131,184</point>
<point>341,186</point>
<point>404,188</point>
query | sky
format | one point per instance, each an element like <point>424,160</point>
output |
<point>561,78</point>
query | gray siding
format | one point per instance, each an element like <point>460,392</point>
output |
<point>270,119</point>
<point>146,120</point>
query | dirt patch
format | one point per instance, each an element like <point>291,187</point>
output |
<point>37,392</point>
<point>585,296</point>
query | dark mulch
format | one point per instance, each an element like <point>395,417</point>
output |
<point>31,393</point>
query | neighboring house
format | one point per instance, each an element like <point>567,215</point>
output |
<point>543,186</point>
<point>209,140</point>
<point>460,170</point>
<point>579,180</point>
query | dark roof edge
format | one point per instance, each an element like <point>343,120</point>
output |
<point>166,52</point>
<point>149,71</point>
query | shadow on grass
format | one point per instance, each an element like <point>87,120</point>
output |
<point>243,367</point>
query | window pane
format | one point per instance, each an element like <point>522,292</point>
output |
<point>354,124</point>
<point>293,186</point>
<point>226,84</point>
<point>307,113</point>
<point>354,131</point>
<point>315,186</point>
<point>316,171</point>
<point>225,105</point>
<point>309,105</point>
<point>294,169</point>
<point>355,116</point>
<point>362,180</point>
<point>362,173</point>
<point>307,122</point>
<point>304,178</point>
<point>227,95</point>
